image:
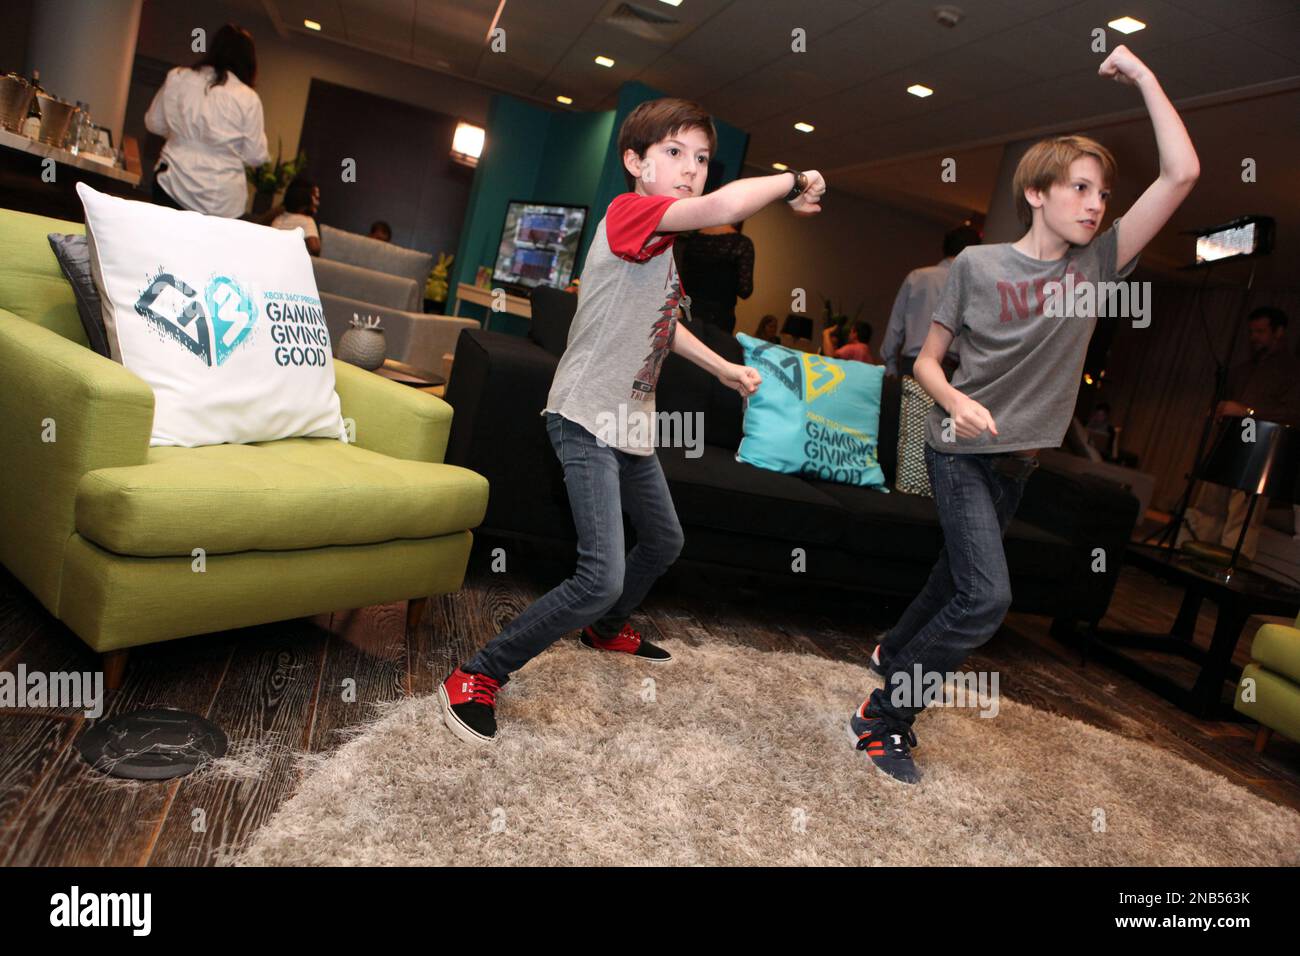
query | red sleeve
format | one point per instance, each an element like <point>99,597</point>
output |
<point>630,223</point>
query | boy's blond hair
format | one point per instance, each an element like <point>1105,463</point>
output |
<point>1047,163</point>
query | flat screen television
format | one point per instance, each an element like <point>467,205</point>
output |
<point>539,243</point>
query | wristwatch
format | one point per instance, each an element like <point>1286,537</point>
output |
<point>800,184</point>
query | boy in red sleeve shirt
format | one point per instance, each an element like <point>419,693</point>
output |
<point>600,414</point>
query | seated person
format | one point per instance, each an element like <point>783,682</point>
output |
<point>301,204</point>
<point>768,331</point>
<point>381,230</point>
<point>856,348</point>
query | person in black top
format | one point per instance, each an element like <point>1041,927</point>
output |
<point>716,265</point>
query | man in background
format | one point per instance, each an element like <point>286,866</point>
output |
<point>1265,387</point>
<point>909,322</point>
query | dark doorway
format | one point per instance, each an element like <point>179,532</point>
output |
<point>404,171</point>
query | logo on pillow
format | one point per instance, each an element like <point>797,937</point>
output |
<point>172,306</point>
<point>228,329</point>
<point>813,416</point>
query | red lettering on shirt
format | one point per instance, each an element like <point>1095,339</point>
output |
<point>1008,291</point>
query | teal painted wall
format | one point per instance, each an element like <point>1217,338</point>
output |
<point>543,155</point>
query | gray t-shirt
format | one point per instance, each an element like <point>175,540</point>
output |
<point>1022,365</point>
<point>623,328</point>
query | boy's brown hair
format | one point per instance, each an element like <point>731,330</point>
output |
<point>1047,163</point>
<point>658,120</point>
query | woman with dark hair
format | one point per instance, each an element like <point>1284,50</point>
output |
<point>717,267</point>
<point>301,204</point>
<point>212,120</point>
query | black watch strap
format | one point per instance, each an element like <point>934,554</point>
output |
<point>800,184</point>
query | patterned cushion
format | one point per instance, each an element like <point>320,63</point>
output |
<point>914,406</point>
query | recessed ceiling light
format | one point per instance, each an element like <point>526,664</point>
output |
<point>780,167</point>
<point>604,61</point>
<point>311,24</point>
<point>566,100</point>
<point>1127,25</point>
<point>916,89</point>
<point>672,3</point>
<point>804,127</point>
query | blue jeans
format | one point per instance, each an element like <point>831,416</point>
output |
<point>607,585</point>
<point>969,591</point>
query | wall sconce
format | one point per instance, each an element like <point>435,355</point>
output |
<point>467,143</point>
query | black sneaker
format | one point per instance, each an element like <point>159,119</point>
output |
<point>886,742</point>
<point>626,641</point>
<point>873,665</point>
<point>469,706</point>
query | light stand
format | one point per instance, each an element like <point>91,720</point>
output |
<point>1167,536</point>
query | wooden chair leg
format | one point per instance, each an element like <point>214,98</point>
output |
<point>414,611</point>
<point>114,663</point>
<point>1262,737</point>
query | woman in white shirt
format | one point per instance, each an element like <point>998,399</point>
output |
<point>301,204</point>
<point>212,119</point>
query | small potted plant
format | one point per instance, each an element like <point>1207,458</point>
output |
<point>271,178</point>
<point>363,345</point>
<point>435,290</point>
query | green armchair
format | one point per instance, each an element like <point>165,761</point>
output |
<point>1269,691</point>
<point>129,544</point>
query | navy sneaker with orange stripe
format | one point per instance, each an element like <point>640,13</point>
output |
<point>627,641</point>
<point>886,742</point>
<point>874,664</point>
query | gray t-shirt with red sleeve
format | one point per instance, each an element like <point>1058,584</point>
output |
<point>623,328</point>
<point>1024,366</point>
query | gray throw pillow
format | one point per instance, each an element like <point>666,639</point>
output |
<point>73,254</point>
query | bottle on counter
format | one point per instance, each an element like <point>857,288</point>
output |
<point>80,125</point>
<point>32,125</point>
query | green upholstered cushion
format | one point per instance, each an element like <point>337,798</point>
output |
<point>32,286</point>
<point>112,601</point>
<point>64,411</point>
<point>273,496</point>
<point>1276,703</point>
<point>1277,647</point>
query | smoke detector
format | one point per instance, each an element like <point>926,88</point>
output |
<point>948,16</point>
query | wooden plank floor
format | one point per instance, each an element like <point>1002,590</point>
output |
<point>284,690</point>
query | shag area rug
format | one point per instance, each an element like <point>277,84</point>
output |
<point>733,756</point>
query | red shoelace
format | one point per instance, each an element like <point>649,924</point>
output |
<point>481,688</point>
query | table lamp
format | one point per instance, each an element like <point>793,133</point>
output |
<point>1265,466</point>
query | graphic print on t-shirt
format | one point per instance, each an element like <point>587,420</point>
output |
<point>661,338</point>
<point>1015,294</point>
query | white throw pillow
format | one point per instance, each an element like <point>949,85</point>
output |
<point>220,317</point>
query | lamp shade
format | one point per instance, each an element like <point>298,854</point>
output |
<point>799,326</point>
<point>1266,466</point>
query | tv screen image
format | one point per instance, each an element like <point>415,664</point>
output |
<point>539,244</point>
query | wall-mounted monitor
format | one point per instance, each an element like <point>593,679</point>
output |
<point>539,244</point>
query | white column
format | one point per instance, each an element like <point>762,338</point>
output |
<point>85,50</point>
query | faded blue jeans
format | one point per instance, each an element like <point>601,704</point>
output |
<point>969,591</point>
<point>607,585</point>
